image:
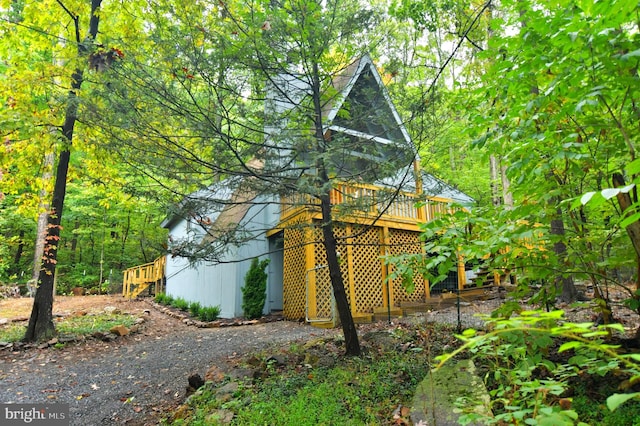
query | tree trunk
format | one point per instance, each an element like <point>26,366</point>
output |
<point>74,242</point>
<point>18,256</point>
<point>41,321</point>
<point>43,218</point>
<point>493,177</point>
<point>507,196</point>
<point>564,284</point>
<point>329,240</point>
<point>337,282</point>
<point>125,235</point>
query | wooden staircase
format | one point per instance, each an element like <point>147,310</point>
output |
<point>150,276</point>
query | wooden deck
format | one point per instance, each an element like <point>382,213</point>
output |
<point>360,203</point>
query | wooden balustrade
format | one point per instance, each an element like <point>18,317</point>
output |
<point>369,200</point>
<point>141,277</point>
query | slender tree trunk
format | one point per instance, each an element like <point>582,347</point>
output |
<point>493,177</point>
<point>329,240</point>
<point>43,218</point>
<point>74,242</point>
<point>125,235</point>
<point>337,282</point>
<point>507,196</point>
<point>564,283</point>
<point>41,321</point>
<point>18,256</point>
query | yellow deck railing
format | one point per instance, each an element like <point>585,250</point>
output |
<point>141,277</point>
<point>370,200</point>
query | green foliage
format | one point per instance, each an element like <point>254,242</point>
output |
<point>194,309</point>
<point>528,372</point>
<point>167,300</point>
<point>493,241</point>
<point>209,313</point>
<point>595,412</point>
<point>204,313</point>
<point>254,292</point>
<point>180,303</point>
<point>557,104</point>
<point>353,392</point>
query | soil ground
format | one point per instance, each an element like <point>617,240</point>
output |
<point>135,379</point>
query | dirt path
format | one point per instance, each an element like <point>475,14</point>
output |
<point>134,379</point>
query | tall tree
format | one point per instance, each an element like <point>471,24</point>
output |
<point>40,325</point>
<point>214,69</point>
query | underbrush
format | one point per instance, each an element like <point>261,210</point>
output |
<point>315,384</point>
<point>538,369</point>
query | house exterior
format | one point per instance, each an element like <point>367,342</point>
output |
<point>286,227</point>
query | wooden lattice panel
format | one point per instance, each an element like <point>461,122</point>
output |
<point>367,269</point>
<point>294,274</point>
<point>406,242</point>
<point>324,292</point>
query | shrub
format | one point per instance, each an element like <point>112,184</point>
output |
<point>254,292</point>
<point>527,375</point>
<point>180,303</point>
<point>160,298</point>
<point>194,309</point>
<point>209,313</point>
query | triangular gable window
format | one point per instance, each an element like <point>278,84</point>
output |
<point>366,110</point>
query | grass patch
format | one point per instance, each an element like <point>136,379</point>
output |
<point>317,385</point>
<point>77,325</point>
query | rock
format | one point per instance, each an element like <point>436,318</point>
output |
<point>119,330</point>
<point>105,337</point>
<point>4,321</point>
<point>53,341</point>
<point>278,360</point>
<point>243,373</point>
<point>225,393</point>
<point>220,417</point>
<point>382,339</point>
<point>435,397</point>
<point>214,374</point>
<point>112,310</point>
<point>147,312</point>
<point>67,338</point>
<point>196,381</point>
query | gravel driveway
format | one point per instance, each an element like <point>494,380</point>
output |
<point>134,379</point>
